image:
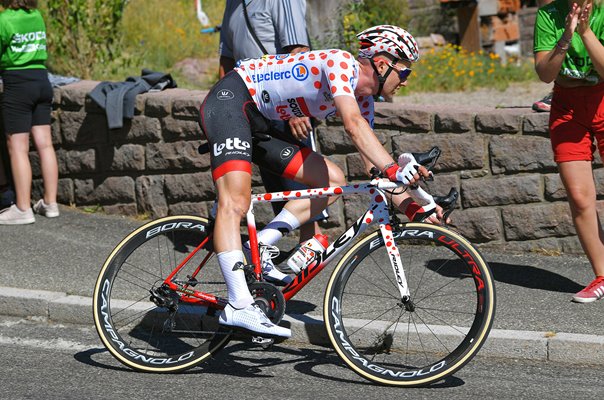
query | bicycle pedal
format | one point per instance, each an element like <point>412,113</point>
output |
<point>262,341</point>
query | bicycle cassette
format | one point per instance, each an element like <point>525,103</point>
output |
<point>269,299</point>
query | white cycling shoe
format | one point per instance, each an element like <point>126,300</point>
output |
<point>252,319</point>
<point>269,271</point>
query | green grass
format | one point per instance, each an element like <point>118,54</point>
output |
<point>159,33</point>
<point>452,69</point>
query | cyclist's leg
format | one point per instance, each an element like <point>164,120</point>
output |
<point>315,171</point>
<point>229,134</point>
<point>233,201</point>
<point>227,123</point>
<point>303,165</point>
<point>275,183</point>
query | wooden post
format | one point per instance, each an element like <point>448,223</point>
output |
<point>469,28</point>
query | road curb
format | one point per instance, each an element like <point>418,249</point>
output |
<point>559,347</point>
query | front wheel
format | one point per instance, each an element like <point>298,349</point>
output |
<point>148,324</point>
<point>416,341</point>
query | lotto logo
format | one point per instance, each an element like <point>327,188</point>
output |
<point>230,144</point>
<point>300,72</point>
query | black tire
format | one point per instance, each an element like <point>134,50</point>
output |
<point>149,335</point>
<point>452,292</point>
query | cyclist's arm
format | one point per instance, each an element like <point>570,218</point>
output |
<point>402,200</point>
<point>361,134</point>
<point>364,139</point>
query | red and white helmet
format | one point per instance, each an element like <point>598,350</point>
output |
<point>389,39</point>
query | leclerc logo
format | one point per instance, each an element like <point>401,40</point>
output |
<point>300,72</point>
<point>225,94</point>
<point>287,153</point>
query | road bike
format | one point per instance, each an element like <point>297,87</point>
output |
<point>406,305</point>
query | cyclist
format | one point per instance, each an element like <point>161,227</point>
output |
<point>317,83</point>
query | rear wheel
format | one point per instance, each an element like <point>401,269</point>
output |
<point>418,341</point>
<point>144,323</point>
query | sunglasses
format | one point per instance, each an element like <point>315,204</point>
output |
<point>403,74</point>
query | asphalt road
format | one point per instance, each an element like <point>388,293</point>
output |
<point>57,361</point>
<point>534,319</point>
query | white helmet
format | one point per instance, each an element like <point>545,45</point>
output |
<point>389,39</point>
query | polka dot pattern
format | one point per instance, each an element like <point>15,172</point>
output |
<point>285,85</point>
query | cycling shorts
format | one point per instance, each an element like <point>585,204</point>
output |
<point>27,100</point>
<point>576,119</point>
<point>229,118</point>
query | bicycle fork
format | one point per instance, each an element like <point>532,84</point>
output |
<point>383,218</point>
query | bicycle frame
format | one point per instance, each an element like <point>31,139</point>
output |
<point>377,212</point>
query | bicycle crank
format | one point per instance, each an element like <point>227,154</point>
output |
<point>269,299</point>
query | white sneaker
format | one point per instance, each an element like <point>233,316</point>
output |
<point>269,271</point>
<point>48,210</point>
<point>252,319</point>
<point>14,216</point>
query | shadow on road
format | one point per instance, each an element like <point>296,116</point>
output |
<point>245,361</point>
<point>533,278</point>
<point>519,275</point>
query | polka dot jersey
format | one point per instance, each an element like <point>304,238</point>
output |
<point>304,84</point>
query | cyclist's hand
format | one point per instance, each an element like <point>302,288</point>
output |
<point>407,171</point>
<point>300,127</point>
<point>437,217</point>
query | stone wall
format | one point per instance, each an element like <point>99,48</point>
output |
<point>499,160</point>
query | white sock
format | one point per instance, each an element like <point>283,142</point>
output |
<point>280,226</point>
<point>238,292</point>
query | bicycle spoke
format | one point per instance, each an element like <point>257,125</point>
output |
<point>446,323</point>
<point>166,324</point>
<point>388,277</point>
<point>437,290</point>
<point>371,296</point>
<point>431,331</point>
<point>350,334</point>
<point>408,341</point>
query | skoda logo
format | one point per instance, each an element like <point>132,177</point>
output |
<point>266,97</point>
<point>287,153</point>
<point>225,94</point>
<point>300,72</point>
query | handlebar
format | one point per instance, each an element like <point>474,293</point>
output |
<point>427,159</point>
